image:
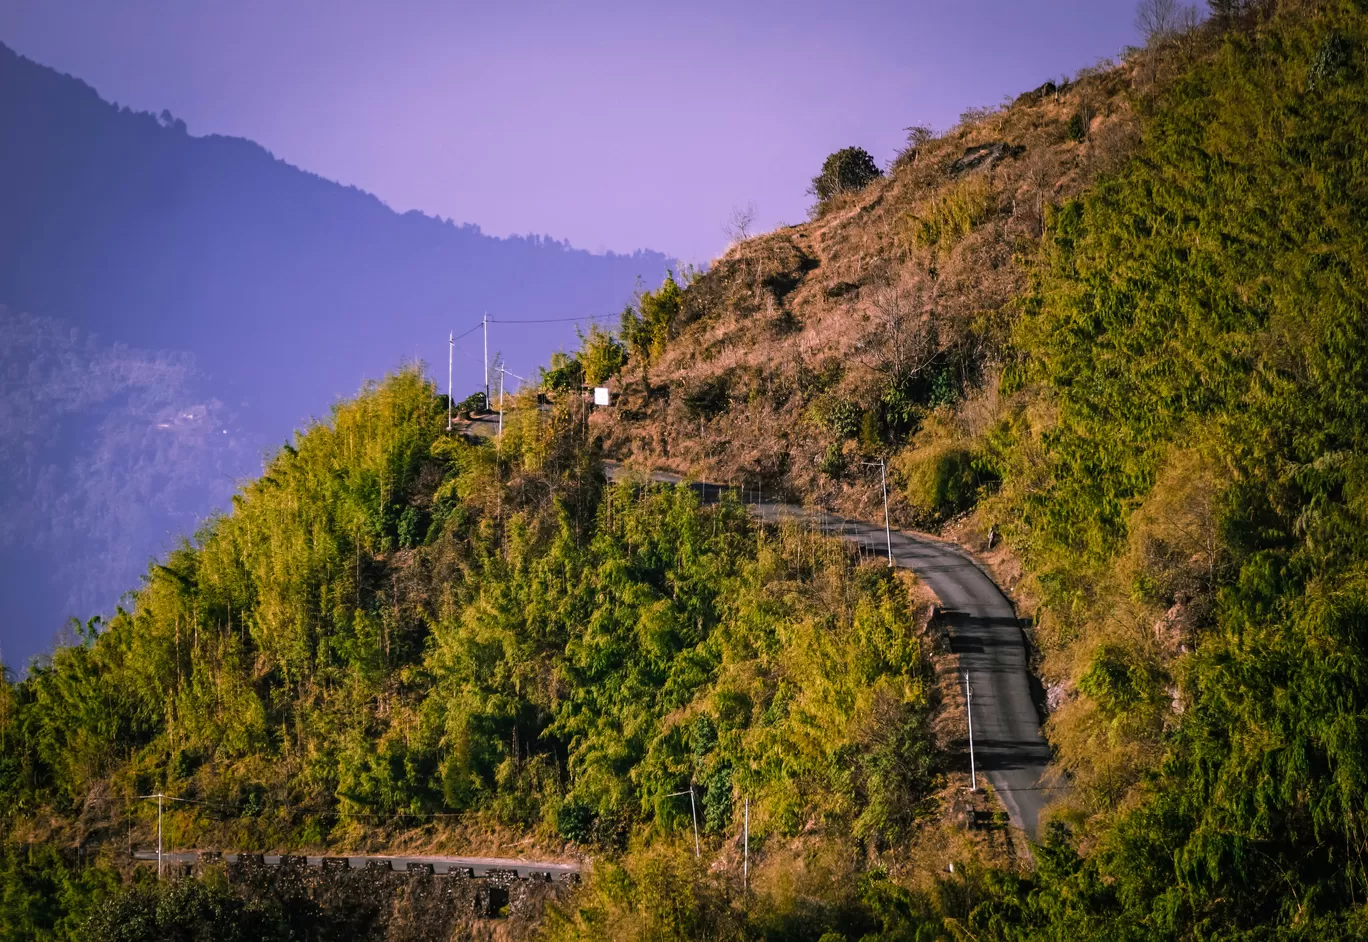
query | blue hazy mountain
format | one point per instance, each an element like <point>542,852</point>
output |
<point>176,305</point>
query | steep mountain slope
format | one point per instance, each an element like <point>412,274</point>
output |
<point>805,351</point>
<point>1156,391</point>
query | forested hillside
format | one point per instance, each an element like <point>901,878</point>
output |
<point>1123,323</point>
<point>400,635</point>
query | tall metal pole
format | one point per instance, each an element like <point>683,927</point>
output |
<point>451,352</point>
<point>486,356</point>
<point>693,811</point>
<point>745,852</point>
<point>969,707</point>
<point>888,531</point>
<point>159,835</point>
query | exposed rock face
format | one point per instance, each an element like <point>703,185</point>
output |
<point>984,157</point>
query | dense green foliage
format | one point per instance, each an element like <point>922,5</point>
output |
<point>650,324</point>
<point>848,170</point>
<point>47,896</point>
<point>1202,334</point>
<point>1183,450</point>
<point>396,622</point>
<point>601,357</point>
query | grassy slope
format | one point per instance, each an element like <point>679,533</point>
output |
<point>903,288</point>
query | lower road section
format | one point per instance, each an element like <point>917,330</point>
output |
<point>507,868</point>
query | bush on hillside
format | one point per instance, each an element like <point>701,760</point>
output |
<point>942,482</point>
<point>649,325</point>
<point>952,215</point>
<point>1077,127</point>
<point>602,356</point>
<point>848,170</point>
<point>565,373</point>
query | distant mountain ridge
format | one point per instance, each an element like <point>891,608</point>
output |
<point>124,224</point>
<point>281,290</point>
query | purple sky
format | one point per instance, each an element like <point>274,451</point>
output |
<point>615,125</point>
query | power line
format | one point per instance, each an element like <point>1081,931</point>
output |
<point>555,320</point>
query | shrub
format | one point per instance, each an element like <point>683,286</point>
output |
<point>564,373</point>
<point>871,431</point>
<point>475,402</point>
<point>575,821</point>
<point>1123,686</point>
<point>648,326</point>
<point>849,170</point>
<point>840,417</point>
<point>708,398</point>
<point>1078,128</point>
<point>953,215</point>
<point>601,356</point>
<point>833,462</point>
<point>940,479</point>
<point>1332,60</point>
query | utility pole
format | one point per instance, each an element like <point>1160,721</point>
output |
<point>693,811</point>
<point>502,370</point>
<point>159,796</point>
<point>888,531</point>
<point>745,852</point>
<point>451,352</point>
<point>485,323</point>
<point>883,482</point>
<point>969,708</point>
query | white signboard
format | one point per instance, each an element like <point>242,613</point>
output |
<point>601,396</point>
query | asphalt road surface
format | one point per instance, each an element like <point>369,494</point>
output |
<point>1009,748</point>
<point>475,866</point>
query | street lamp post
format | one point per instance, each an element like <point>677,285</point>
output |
<point>969,709</point>
<point>883,483</point>
<point>693,813</point>
<point>502,371</point>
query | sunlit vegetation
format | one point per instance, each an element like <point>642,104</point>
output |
<point>395,626</point>
<point>1194,511</point>
<point>1169,425</point>
<point>1163,405</point>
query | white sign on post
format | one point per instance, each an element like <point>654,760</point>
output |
<point>601,396</point>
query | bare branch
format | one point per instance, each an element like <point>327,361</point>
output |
<point>1157,20</point>
<point>737,228</point>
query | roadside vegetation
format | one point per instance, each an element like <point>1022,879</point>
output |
<point>1121,321</point>
<point>397,631</point>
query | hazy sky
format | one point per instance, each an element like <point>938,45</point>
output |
<point>615,125</point>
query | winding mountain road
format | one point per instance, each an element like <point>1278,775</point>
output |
<point>1009,748</point>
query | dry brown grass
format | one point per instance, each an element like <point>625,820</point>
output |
<point>787,317</point>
